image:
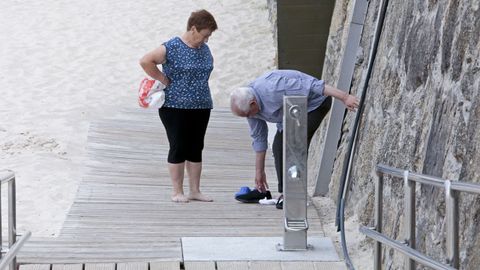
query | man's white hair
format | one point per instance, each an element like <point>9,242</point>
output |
<point>241,98</point>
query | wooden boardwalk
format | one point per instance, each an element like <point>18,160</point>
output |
<point>122,216</point>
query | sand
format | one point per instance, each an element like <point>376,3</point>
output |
<point>66,63</point>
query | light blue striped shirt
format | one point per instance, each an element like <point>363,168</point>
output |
<point>269,90</point>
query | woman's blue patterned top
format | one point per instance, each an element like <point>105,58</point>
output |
<point>188,70</point>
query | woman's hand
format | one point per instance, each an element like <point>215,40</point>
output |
<point>164,79</point>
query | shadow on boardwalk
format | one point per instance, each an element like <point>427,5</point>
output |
<point>123,213</point>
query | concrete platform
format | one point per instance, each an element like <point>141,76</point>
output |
<point>254,249</point>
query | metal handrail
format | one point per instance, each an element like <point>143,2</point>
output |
<point>407,251</point>
<point>7,177</point>
<point>452,190</point>
<point>13,251</point>
<point>430,180</point>
<point>10,258</point>
<point>424,179</point>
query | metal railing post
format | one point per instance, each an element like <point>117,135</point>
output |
<point>377,265</point>
<point>452,194</point>
<point>1,222</point>
<point>452,231</point>
<point>12,219</point>
<point>13,251</point>
<point>10,253</point>
<point>410,221</point>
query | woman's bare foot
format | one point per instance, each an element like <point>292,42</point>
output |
<point>197,196</point>
<point>180,198</point>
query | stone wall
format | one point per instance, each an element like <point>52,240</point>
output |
<point>422,113</point>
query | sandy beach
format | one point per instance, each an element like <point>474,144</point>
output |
<point>66,63</point>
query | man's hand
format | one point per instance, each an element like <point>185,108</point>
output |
<point>260,176</point>
<point>351,102</point>
<point>261,182</point>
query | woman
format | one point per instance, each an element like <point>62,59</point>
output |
<point>187,64</point>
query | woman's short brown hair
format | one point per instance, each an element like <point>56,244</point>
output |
<point>201,19</point>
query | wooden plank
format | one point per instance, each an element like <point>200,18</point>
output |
<point>67,266</point>
<point>165,266</point>
<point>199,266</point>
<point>104,241</point>
<point>100,254</point>
<point>35,267</point>
<point>132,266</point>
<point>100,266</point>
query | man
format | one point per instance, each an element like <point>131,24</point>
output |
<point>262,101</point>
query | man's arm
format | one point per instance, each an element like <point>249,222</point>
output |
<point>351,102</point>
<point>259,134</point>
<point>260,176</point>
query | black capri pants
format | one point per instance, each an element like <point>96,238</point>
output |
<point>314,119</point>
<point>186,130</point>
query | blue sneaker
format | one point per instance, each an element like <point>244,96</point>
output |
<point>243,190</point>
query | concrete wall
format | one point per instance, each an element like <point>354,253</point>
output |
<point>422,113</point>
